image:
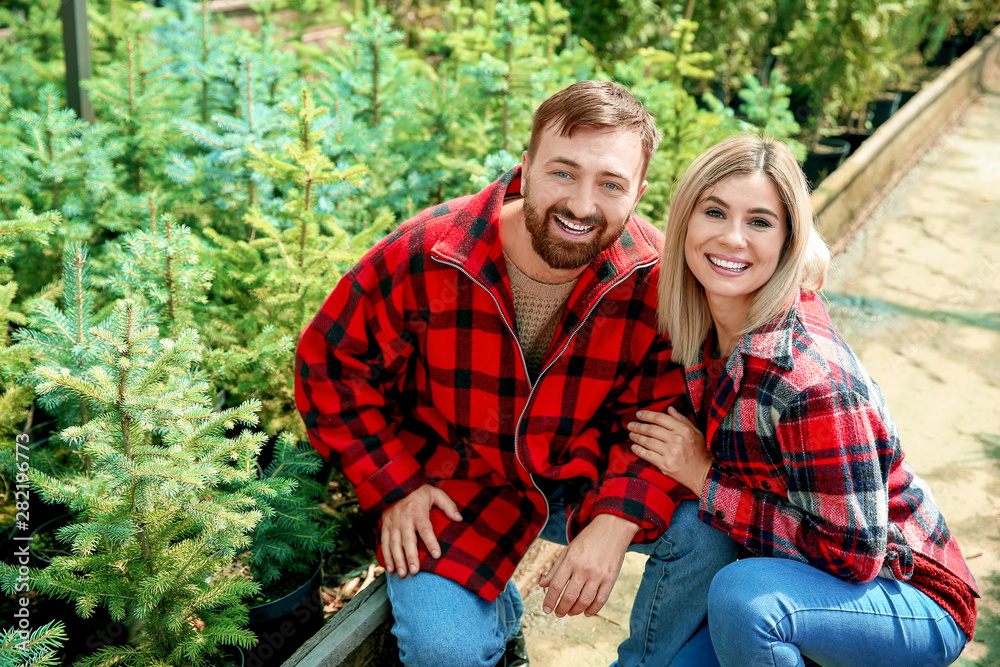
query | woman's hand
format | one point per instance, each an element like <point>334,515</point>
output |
<point>672,443</point>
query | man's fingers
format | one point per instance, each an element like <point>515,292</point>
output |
<point>656,418</point>
<point>411,551</point>
<point>426,531</point>
<point>584,600</point>
<point>390,564</point>
<point>396,546</point>
<point>445,504</point>
<point>552,596</point>
<point>603,593</point>
<point>569,600</point>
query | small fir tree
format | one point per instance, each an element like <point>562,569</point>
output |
<point>274,283</point>
<point>169,501</point>
<point>223,175</point>
<point>58,163</point>
<point>292,537</point>
<point>768,109</point>
<point>61,336</point>
<point>374,86</point>
<point>140,101</point>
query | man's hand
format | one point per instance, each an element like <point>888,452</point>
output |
<point>583,575</point>
<point>408,517</point>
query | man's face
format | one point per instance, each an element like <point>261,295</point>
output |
<point>579,192</point>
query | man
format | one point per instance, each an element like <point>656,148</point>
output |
<point>474,374</point>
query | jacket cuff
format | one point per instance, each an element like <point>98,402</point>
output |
<point>393,481</point>
<point>633,499</point>
<point>725,501</point>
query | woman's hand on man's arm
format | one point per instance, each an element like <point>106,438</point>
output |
<point>673,444</point>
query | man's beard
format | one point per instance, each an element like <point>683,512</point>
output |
<point>559,253</point>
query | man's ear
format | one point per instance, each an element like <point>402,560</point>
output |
<point>642,188</point>
<point>524,170</point>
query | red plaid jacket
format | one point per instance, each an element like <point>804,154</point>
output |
<point>808,464</point>
<point>411,374</point>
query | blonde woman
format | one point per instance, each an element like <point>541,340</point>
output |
<point>791,451</point>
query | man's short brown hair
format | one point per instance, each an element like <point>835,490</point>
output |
<point>594,105</point>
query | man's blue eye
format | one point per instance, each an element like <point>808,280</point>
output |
<point>612,186</point>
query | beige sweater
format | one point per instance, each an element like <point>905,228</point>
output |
<point>539,309</point>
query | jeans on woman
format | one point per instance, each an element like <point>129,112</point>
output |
<point>442,624</point>
<point>776,612</point>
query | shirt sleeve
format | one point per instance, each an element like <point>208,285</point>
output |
<point>347,361</point>
<point>632,488</point>
<point>835,516</point>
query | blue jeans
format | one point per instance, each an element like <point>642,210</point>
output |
<point>783,613</point>
<point>440,623</point>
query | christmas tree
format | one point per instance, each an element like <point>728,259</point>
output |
<point>168,501</point>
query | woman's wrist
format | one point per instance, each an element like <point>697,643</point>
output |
<point>702,479</point>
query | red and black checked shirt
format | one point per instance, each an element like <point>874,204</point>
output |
<point>411,373</point>
<point>808,464</point>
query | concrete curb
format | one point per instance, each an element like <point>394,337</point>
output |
<point>844,200</point>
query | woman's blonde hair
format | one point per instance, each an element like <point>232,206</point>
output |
<point>683,309</point>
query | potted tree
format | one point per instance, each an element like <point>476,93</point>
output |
<point>166,503</point>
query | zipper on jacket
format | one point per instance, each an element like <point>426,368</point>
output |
<point>524,363</point>
<point>533,385</point>
<point>569,339</point>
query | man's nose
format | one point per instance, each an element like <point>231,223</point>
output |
<point>581,203</point>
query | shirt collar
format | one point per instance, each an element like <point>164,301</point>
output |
<point>774,341</point>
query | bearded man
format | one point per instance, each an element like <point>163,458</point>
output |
<point>473,376</point>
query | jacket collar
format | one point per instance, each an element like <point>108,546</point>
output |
<point>773,342</point>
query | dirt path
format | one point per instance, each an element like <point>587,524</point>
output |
<point>917,295</point>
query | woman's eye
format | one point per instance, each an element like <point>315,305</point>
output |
<point>761,222</point>
<point>714,212</point>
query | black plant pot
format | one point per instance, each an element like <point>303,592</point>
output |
<point>949,51</point>
<point>884,108</point>
<point>84,635</point>
<point>283,625</point>
<point>907,94</point>
<point>829,155</point>
<point>854,140</point>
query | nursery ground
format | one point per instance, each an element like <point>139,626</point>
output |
<point>917,295</point>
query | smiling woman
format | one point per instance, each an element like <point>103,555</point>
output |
<point>790,446</point>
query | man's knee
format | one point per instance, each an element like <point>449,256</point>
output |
<point>440,623</point>
<point>444,647</point>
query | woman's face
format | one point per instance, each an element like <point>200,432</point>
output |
<point>734,239</point>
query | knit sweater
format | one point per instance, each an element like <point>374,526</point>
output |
<point>538,308</point>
